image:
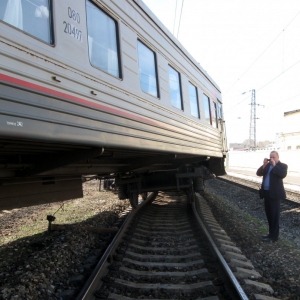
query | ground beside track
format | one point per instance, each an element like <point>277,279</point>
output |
<point>36,264</point>
<point>241,214</point>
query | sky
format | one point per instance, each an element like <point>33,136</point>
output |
<point>243,45</point>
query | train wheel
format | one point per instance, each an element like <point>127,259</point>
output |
<point>134,199</point>
<point>191,195</point>
<point>144,195</point>
<point>122,192</point>
<point>199,185</point>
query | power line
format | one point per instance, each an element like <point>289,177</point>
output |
<point>180,18</point>
<point>263,51</point>
<point>287,99</point>
<point>175,17</point>
<point>238,104</point>
<point>274,105</point>
<point>267,84</point>
<point>279,75</point>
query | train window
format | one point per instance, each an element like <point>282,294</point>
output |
<point>207,109</point>
<point>214,115</point>
<point>220,110</point>
<point>147,68</point>
<point>194,101</point>
<point>102,40</point>
<point>175,90</point>
<point>30,16</point>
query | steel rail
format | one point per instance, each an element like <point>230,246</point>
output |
<point>255,190</point>
<point>94,283</point>
<point>237,287</point>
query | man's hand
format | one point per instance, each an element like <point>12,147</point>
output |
<point>272,162</point>
<point>265,162</point>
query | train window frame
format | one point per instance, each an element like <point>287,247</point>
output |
<point>214,115</point>
<point>197,109</point>
<point>140,42</point>
<point>220,109</point>
<point>40,14</point>
<point>117,41</point>
<point>207,109</point>
<point>180,88</point>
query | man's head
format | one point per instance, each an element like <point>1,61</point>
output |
<point>275,156</point>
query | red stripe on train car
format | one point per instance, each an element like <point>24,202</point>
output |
<point>38,88</point>
<point>88,103</point>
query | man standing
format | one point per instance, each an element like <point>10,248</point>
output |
<point>273,171</point>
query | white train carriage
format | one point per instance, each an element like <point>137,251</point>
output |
<point>100,87</point>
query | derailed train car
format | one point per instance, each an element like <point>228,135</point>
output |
<point>101,87</point>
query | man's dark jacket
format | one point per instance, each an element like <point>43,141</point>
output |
<point>276,175</point>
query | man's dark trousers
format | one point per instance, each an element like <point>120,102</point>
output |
<point>272,208</point>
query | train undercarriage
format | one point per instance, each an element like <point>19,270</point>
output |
<point>189,179</point>
<point>37,173</point>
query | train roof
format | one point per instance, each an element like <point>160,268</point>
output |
<point>164,29</point>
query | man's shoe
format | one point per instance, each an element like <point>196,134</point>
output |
<point>269,240</point>
<point>265,237</point>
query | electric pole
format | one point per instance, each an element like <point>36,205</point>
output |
<point>252,129</point>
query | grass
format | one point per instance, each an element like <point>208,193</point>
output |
<point>26,222</point>
<point>34,222</point>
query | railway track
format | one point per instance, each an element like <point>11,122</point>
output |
<point>292,200</point>
<point>167,249</point>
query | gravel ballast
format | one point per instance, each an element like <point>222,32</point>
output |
<point>37,264</point>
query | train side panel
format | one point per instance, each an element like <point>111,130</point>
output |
<point>76,91</point>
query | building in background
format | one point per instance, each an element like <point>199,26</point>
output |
<point>289,138</point>
<point>238,146</point>
<point>262,145</point>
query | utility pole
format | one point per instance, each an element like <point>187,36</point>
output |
<point>252,129</point>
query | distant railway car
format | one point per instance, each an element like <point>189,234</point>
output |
<point>101,87</point>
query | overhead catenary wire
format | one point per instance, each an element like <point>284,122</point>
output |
<point>263,52</point>
<point>174,18</point>
<point>286,100</point>
<point>283,72</point>
<point>180,18</point>
<point>277,76</point>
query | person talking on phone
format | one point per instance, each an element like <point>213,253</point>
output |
<point>273,172</point>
